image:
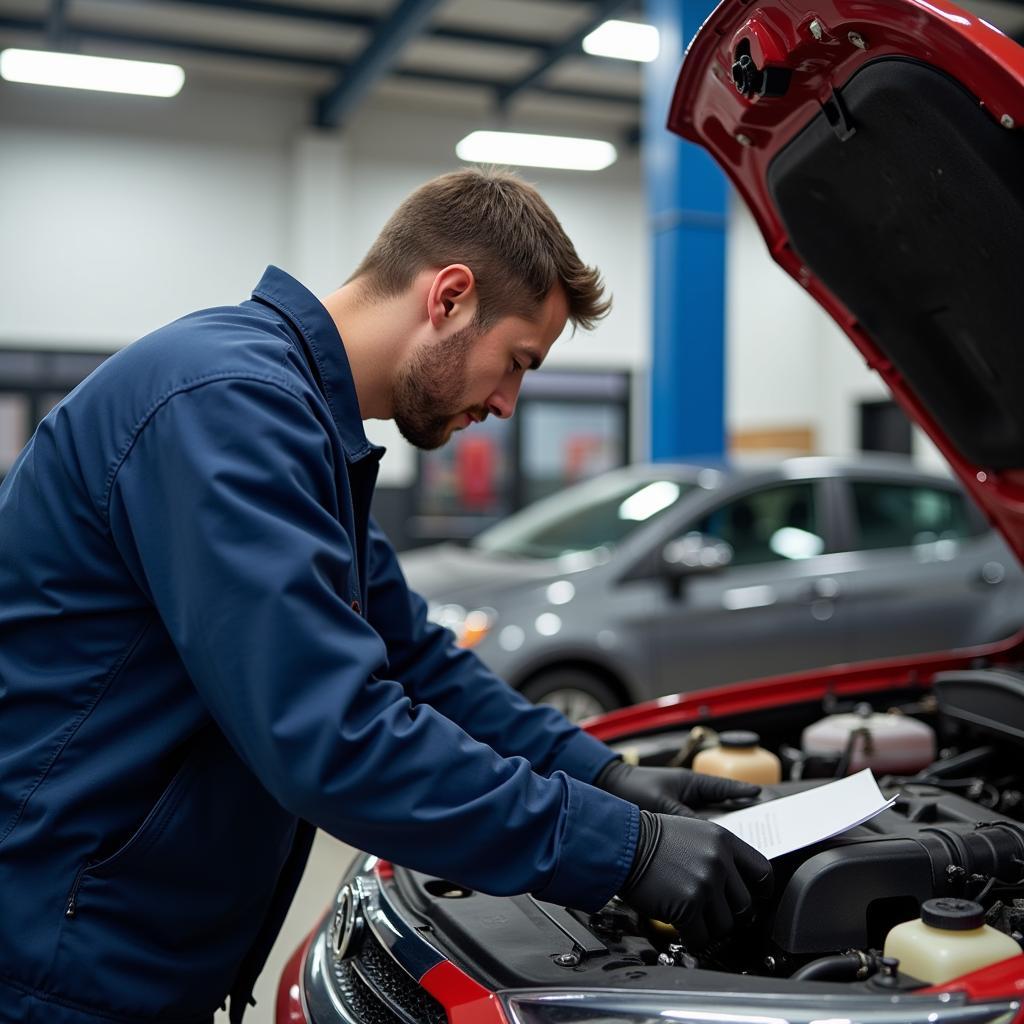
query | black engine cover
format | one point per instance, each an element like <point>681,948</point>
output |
<point>848,892</point>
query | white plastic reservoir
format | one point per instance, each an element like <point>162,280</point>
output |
<point>884,743</point>
<point>950,939</point>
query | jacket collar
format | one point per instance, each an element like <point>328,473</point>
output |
<point>326,351</point>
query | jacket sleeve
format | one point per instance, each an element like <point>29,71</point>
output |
<point>224,510</point>
<point>423,657</point>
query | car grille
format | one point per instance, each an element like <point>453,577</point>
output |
<point>378,991</point>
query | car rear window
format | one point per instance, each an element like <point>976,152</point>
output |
<point>770,525</point>
<point>901,515</point>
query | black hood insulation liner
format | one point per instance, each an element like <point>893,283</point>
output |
<point>905,197</point>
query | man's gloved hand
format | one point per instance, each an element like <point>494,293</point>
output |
<point>669,790</point>
<point>695,875</point>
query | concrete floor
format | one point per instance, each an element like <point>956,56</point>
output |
<point>327,861</point>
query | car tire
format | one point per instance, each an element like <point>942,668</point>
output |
<point>577,694</point>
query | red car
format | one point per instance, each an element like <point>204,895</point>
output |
<point>879,145</point>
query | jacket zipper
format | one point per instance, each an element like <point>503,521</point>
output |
<point>71,908</point>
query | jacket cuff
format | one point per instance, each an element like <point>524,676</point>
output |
<point>646,845</point>
<point>597,849</point>
<point>584,758</point>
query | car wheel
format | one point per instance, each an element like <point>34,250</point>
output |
<point>576,694</point>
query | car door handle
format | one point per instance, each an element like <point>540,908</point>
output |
<point>992,573</point>
<point>824,588</point>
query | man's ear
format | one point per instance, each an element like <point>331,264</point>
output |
<point>452,297</point>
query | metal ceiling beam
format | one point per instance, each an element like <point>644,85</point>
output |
<point>103,35</point>
<point>568,47</point>
<point>315,63</point>
<point>279,9</point>
<point>55,24</point>
<point>444,78</point>
<point>348,19</point>
<point>404,23</point>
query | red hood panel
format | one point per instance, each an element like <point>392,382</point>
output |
<point>880,148</point>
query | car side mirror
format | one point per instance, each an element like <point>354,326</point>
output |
<point>693,554</point>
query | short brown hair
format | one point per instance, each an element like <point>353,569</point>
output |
<point>501,228</point>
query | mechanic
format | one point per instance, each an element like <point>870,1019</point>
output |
<point>207,648</point>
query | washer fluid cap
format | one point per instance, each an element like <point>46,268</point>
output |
<point>739,738</point>
<point>952,914</point>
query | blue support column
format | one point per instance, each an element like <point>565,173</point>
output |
<point>687,209</point>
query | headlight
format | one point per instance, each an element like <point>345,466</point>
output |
<point>469,627</point>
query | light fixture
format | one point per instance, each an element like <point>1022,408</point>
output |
<point>624,40</point>
<point>104,74</point>
<point>536,151</point>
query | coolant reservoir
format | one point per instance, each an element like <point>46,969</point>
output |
<point>949,940</point>
<point>884,743</point>
<point>739,757</point>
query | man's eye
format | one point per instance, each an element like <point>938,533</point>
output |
<point>516,366</point>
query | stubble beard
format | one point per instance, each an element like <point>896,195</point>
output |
<point>429,391</point>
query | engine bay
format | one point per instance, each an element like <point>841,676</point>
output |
<point>956,829</point>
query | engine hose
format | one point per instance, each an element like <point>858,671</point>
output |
<point>862,736</point>
<point>841,967</point>
<point>992,850</point>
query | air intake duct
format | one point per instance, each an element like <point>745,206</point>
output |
<point>870,883</point>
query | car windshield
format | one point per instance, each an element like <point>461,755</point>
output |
<point>593,516</point>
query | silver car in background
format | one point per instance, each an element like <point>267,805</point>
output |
<point>654,579</point>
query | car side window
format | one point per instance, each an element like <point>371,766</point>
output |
<point>902,515</point>
<point>774,524</point>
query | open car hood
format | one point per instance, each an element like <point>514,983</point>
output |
<point>880,146</point>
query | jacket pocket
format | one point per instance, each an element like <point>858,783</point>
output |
<point>160,925</point>
<point>144,836</point>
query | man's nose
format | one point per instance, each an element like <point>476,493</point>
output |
<point>502,402</point>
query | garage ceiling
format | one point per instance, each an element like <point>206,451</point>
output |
<point>519,58</point>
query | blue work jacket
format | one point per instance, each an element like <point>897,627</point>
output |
<point>207,649</point>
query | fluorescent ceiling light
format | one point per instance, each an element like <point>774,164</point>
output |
<point>105,74</point>
<point>536,151</point>
<point>626,40</point>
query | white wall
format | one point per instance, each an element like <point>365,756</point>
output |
<point>773,362</point>
<point>120,213</point>
<point>126,212</point>
<point>788,363</point>
<point>181,203</point>
<point>114,226</point>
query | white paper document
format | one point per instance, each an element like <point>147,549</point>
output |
<point>791,822</point>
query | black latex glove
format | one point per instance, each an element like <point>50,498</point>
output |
<point>669,790</point>
<point>695,875</point>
